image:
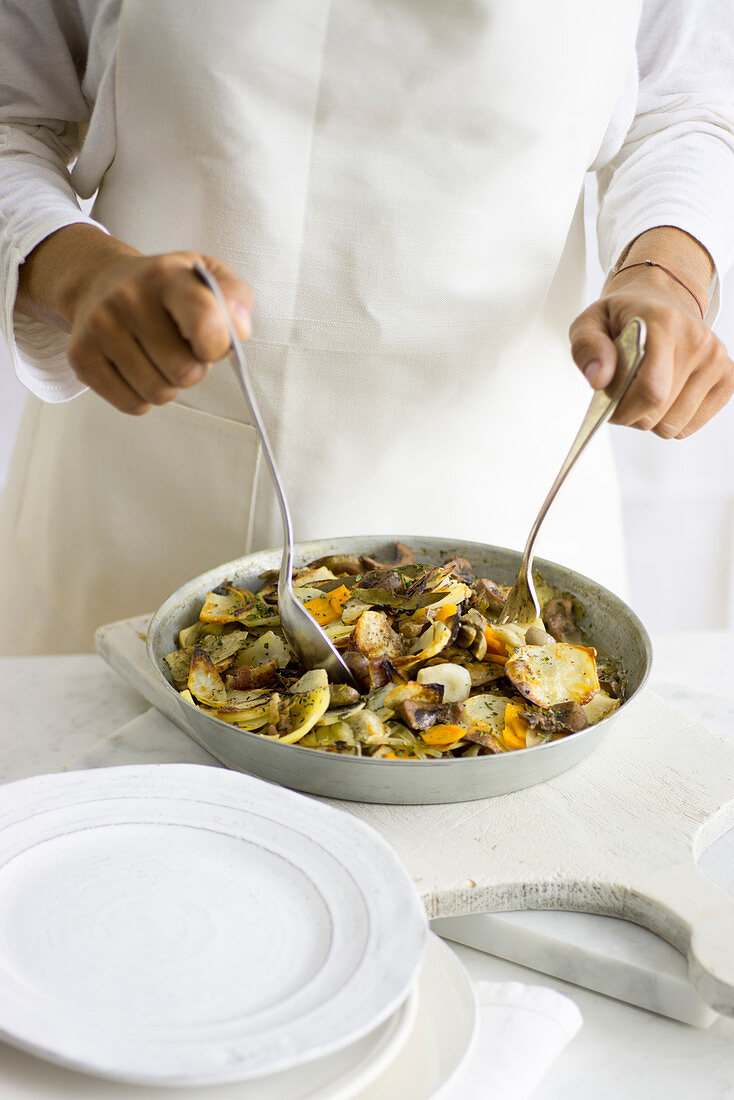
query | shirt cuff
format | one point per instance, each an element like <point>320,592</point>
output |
<point>38,350</point>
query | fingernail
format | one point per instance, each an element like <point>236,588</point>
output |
<point>243,320</point>
<point>592,371</point>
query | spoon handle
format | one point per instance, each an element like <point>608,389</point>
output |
<point>243,376</point>
<point>630,346</point>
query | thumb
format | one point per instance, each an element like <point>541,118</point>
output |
<point>238,294</point>
<point>592,348</point>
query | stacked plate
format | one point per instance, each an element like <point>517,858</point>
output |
<point>183,925</point>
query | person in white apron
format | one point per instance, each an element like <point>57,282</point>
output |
<point>401,186</point>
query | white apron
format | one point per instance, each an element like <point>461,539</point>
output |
<point>399,180</point>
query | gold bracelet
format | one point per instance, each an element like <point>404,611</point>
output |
<point>652,263</point>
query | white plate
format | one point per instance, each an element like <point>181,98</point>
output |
<point>441,1037</point>
<point>179,924</point>
<point>439,1017</point>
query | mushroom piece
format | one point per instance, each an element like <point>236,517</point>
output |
<point>418,715</point>
<point>558,616</point>
<point>489,598</point>
<point>535,636</point>
<point>561,718</point>
<point>259,676</point>
<point>473,627</point>
<point>338,563</point>
<point>342,695</point>
<point>462,568</point>
<point>405,556</point>
<point>482,735</point>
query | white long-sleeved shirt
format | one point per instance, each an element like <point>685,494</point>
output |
<point>667,157</point>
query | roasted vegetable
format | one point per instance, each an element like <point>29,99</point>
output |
<point>437,677</point>
<point>554,673</point>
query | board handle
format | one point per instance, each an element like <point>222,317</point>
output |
<point>696,917</point>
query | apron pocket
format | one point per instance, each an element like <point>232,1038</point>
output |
<point>117,512</point>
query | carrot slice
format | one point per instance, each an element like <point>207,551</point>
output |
<point>515,728</point>
<point>322,610</point>
<point>438,737</point>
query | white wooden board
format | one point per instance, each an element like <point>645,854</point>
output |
<point>618,835</point>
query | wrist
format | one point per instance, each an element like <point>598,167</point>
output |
<point>689,273</point>
<point>57,272</point>
<point>648,275</point>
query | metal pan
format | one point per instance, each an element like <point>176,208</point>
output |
<point>609,622</point>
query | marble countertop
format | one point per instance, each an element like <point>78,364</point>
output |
<point>55,709</point>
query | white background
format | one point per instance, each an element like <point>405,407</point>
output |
<point>678,503</point>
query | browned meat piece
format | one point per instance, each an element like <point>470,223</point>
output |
<point>562,718</point>
<point>462,568</point>
<point>246,677</point>
<point>489,597</point>
<point>338,563</point>
<point>420,716</point>
<point>560,621</point>
<point>405,556</point>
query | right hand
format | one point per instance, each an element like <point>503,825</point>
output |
<point>141,327</point>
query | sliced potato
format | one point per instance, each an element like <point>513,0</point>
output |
<point>433,639</point>
<point>353,609</point>
<point>554,673</point>
<point>204,682</point>
<point>338,630</point>
<point>222,647</point>
<point>307,705</point>
<point>601,706</point>
<point>413,692</point>
<point>486,711</point>
<point>513,634</point>
<point>179,663</point>
<point>252,718</point>
<point>311,680</point>
<point>340,714</point>
<point>261,615</point>
<point>268,647</point>
<point>312,576</point>
<point>192,635</point>
<point>368,727</point>
<point>244,700</point>
<point>229,606</point>
<point>374,636</point>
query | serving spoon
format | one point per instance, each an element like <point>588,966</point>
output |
<point>308,641</point>
<point>521,605</point>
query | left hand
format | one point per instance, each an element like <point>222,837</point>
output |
<point>686,376</point>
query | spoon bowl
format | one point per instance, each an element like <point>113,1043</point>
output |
<point>308,641</point>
